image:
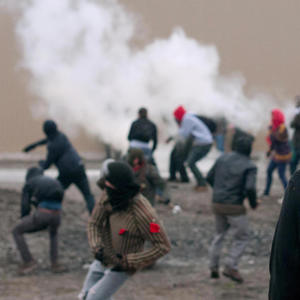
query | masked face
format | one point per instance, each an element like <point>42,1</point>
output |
<point>115,198</point>
<point>120,199</point>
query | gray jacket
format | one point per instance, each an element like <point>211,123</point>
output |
<point>233,178</point>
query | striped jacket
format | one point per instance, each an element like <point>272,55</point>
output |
<point>121,235</point>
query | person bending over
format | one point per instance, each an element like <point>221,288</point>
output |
<point>152,184</point>
<point>198,142</point>
<point>63,155</point>
<point>46,194</point>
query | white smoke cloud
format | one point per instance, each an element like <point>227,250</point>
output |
<point>86,72</point>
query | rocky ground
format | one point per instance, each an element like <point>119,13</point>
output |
<point>182,274</point>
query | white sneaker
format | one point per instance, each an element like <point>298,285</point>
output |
<point>280,200</point>
<point>82,296</point>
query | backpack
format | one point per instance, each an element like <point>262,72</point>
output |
<point>210,123</point>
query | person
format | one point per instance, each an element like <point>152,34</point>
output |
<point>121,222</point>
<point>141,132</point>
<point>198,142</point>
<point>220,133</point>
<point>233,178</point>
<point>46,194</point>
<point>234,132</point>
<point>285,254</point>
<point>279,151</point>
<point>148,177</point>
<point>178,153</point>
<point>176,163</point>
<point>63,155</point>
<point>295,124</point>
<point>237,134</point>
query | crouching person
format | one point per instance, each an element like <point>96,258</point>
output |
<point>233,178</point>
<point>152,185</point>
<point>119,226</point>
<point>46,194</point>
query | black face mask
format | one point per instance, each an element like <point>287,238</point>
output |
<point>120,199</point>
<point>117,200</point>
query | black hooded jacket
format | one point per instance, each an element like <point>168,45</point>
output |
<point>233,176</point>
<point>39,188</point>
<point>60,151</point>
<point>285,254</point>
<point>143,130</point>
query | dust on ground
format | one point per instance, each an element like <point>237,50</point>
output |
<point>182,274</point>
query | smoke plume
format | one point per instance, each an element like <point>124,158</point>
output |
<point>86,72</point>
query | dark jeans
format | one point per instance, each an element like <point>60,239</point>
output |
<point>197,153</point>
<point>294,161</point>
<point>220,142</point>
<point>281,166</point>
<point>36,222</point>
<point>80,179</point>
<point>149,156</point>
<point>177,165</point>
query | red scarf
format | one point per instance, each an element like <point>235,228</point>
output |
<point>136,168</point>
<point>277,119</point>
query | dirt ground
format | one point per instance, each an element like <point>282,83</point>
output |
<point>182,274</point>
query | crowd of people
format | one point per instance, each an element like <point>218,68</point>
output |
<point>124,218</point>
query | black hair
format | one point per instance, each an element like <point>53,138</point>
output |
<point>143,112</point>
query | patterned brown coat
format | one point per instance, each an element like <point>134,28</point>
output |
<point>121,235</point>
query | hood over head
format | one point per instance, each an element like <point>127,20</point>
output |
<point>120,175</point>
<point>123,186</point>
<point>243,144</point>
<point>33,172</point>
<point>49,128</point>
<point>134,153</point>
<point>277,118</point>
